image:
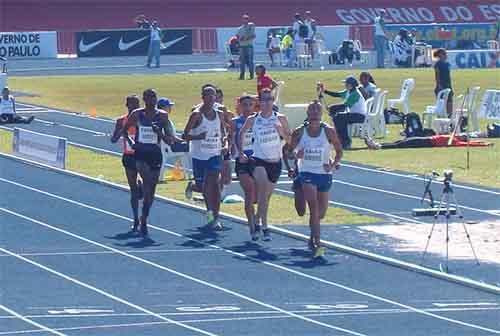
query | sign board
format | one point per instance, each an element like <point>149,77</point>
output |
<point>482,58</point>
<point>108,43</point>
<point>28,44</point>
<point>490,105</point>
<point>40,147</point>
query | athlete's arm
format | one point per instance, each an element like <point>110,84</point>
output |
<point>117,133</point>
<point>131,122</point>
<point>283,128</point>
<point>246,126</point>
<point>331,134</point>
<point>194,120</point>
<point>223,132</point>
<point>163,132</point>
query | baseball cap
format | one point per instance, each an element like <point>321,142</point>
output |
<point>351,80</point>
<point>164,102</point>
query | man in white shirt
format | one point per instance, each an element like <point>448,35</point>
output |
<point>311,31</point>
<point>380,38</point>
<point>154,45</point>
<point>8,110</point>
<point>274,46</point>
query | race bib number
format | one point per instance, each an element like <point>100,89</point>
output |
<point>147,135</point>
<point>314,155</point>
<point>269,137</point>
<point>211,144</point>
<point>248,141</point>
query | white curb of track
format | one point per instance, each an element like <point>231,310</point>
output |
<point>339,247</point>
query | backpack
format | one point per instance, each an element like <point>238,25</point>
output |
<point>413,126</point>
<point>303,30</point>
<point>393,116</point>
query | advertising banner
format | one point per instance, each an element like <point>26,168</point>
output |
<point>490,105</point>
<point>28,45</point>
<point>40,147</point>
<point>108,43</point>
<point>464,59</point>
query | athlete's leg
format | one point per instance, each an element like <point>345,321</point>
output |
<point>150,178</point>
<point>248,185</point>
<point>211,192</point>
<point>264,190</point>
<point>134,194</point>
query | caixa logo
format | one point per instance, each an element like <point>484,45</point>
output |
<point>477,59</point>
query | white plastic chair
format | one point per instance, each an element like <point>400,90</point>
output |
<point>362,129</point>
<point>492,44</point>
<point>376,119</point>
<point>438,110</point>
<point>363,55</point>
<point>471,108</point>
<point>296,114</point>
<point>323,53</point>
<point>303,57</point>
<point>404,98</point>
<point>392,50</point>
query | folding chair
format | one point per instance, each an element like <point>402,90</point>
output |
<point>362,129</point>
<point>404,98</point>
<point>323,53</point>
<point>376,118</point>
<point>438,109</point>
<point>303,57</point>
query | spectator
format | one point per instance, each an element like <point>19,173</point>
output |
<point>166,105</point>
<point>154,45</point>
<point>246,36</point>
<point>287,46</point>
<point>264,81</point>
<point>367,87</point>
<point>443,77</point>
<point>234,50</point>
<point>402,49</point>
<point>311,32</point>
<point>274,46</point>
<point>8,110</point>
<point>351,111</point>
<point>299,33</point>
<point>380,38</point>
<point>346,51</point>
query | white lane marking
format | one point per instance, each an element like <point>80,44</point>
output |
<point>53,123</point>
<point>33,323</point>
<point>95,289</point>
<point>48,254</point>
<point>468,304</point>
<point>206,320</point>
<point>356,291</point>
<point>180,274</point>
<point>79,311</point>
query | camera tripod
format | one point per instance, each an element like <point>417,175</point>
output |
<point>444,204</point>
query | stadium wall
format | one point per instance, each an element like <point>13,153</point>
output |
<point>77,15</point>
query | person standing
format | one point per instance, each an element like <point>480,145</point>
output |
<point>268,130</point>
<point>311,32</point>
<point>154,50</point>
<point>380,38</point>
<point>314,142</point>
<point>246,36</point>
<point>206,132</point>
<point>264,81</point>
<point>151,127</point>
<point>128,159</point>
<point>443,78</point>
<point>8,112</point>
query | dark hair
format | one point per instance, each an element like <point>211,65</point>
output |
<point>439,51</point>
<point>261,66</point>
<point>149,91</point>
<point>208,85</point>
<point>133,97</point>
<point>245,97</point>
<point>368,75</point>
<point>218,91</point>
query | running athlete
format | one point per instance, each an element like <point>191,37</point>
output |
<point>151,128</point>
<point>244,170</point>
<point>205,129</point>
<point>128,159</point>
<point>314,143</point>
<point>269,128</point>
<point>226,160</point>
<point>293,173</point>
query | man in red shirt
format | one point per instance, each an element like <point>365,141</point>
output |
<point>264,81</point>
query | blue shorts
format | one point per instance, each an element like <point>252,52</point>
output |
<point>202,167</point>
<point>322,181</point>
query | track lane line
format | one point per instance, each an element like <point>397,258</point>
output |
<point>29,321</point>
<point>283,268</point>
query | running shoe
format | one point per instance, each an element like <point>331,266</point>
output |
<point>310,245</point>
<point>135,227</point>
<point>255,236</point>
<point>217,226</point>
<point>371,144</point>
<point>144,231</point>
<point>189,190</point>
<point>266,235</point>
<point>319,252</point>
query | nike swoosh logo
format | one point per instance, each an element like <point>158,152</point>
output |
<point>87,47</point>
<point>171,43</point>
<point>127,45</point>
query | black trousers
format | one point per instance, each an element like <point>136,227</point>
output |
<point>13,119</point>
<point>342,120</point>
<point>417,142</point>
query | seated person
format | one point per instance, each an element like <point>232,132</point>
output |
<point>273,46</point>
<point>346,51</point>
<point>287,46</point>
<point>8,113</point>
<point>429,141</point>
<point>402,49</point>
<point>367,87</point>
<point>352,111</point>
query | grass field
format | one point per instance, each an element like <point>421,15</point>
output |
<point>106,94</point>
<point>110,168</point>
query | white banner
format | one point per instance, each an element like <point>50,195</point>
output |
<point>39,147</point>
<point>490,105</point>
<point>478,58</point>
<point>332,35</point>
<point>28,44</point>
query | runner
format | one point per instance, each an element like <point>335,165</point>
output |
<point>205,129</point>
<point>244,170</point>
<point>128,159</point>
<point>151,128</point>
<point>268,129</point>
<point>226,162</point>
<point>314,142</point>
<point>293,173</point>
